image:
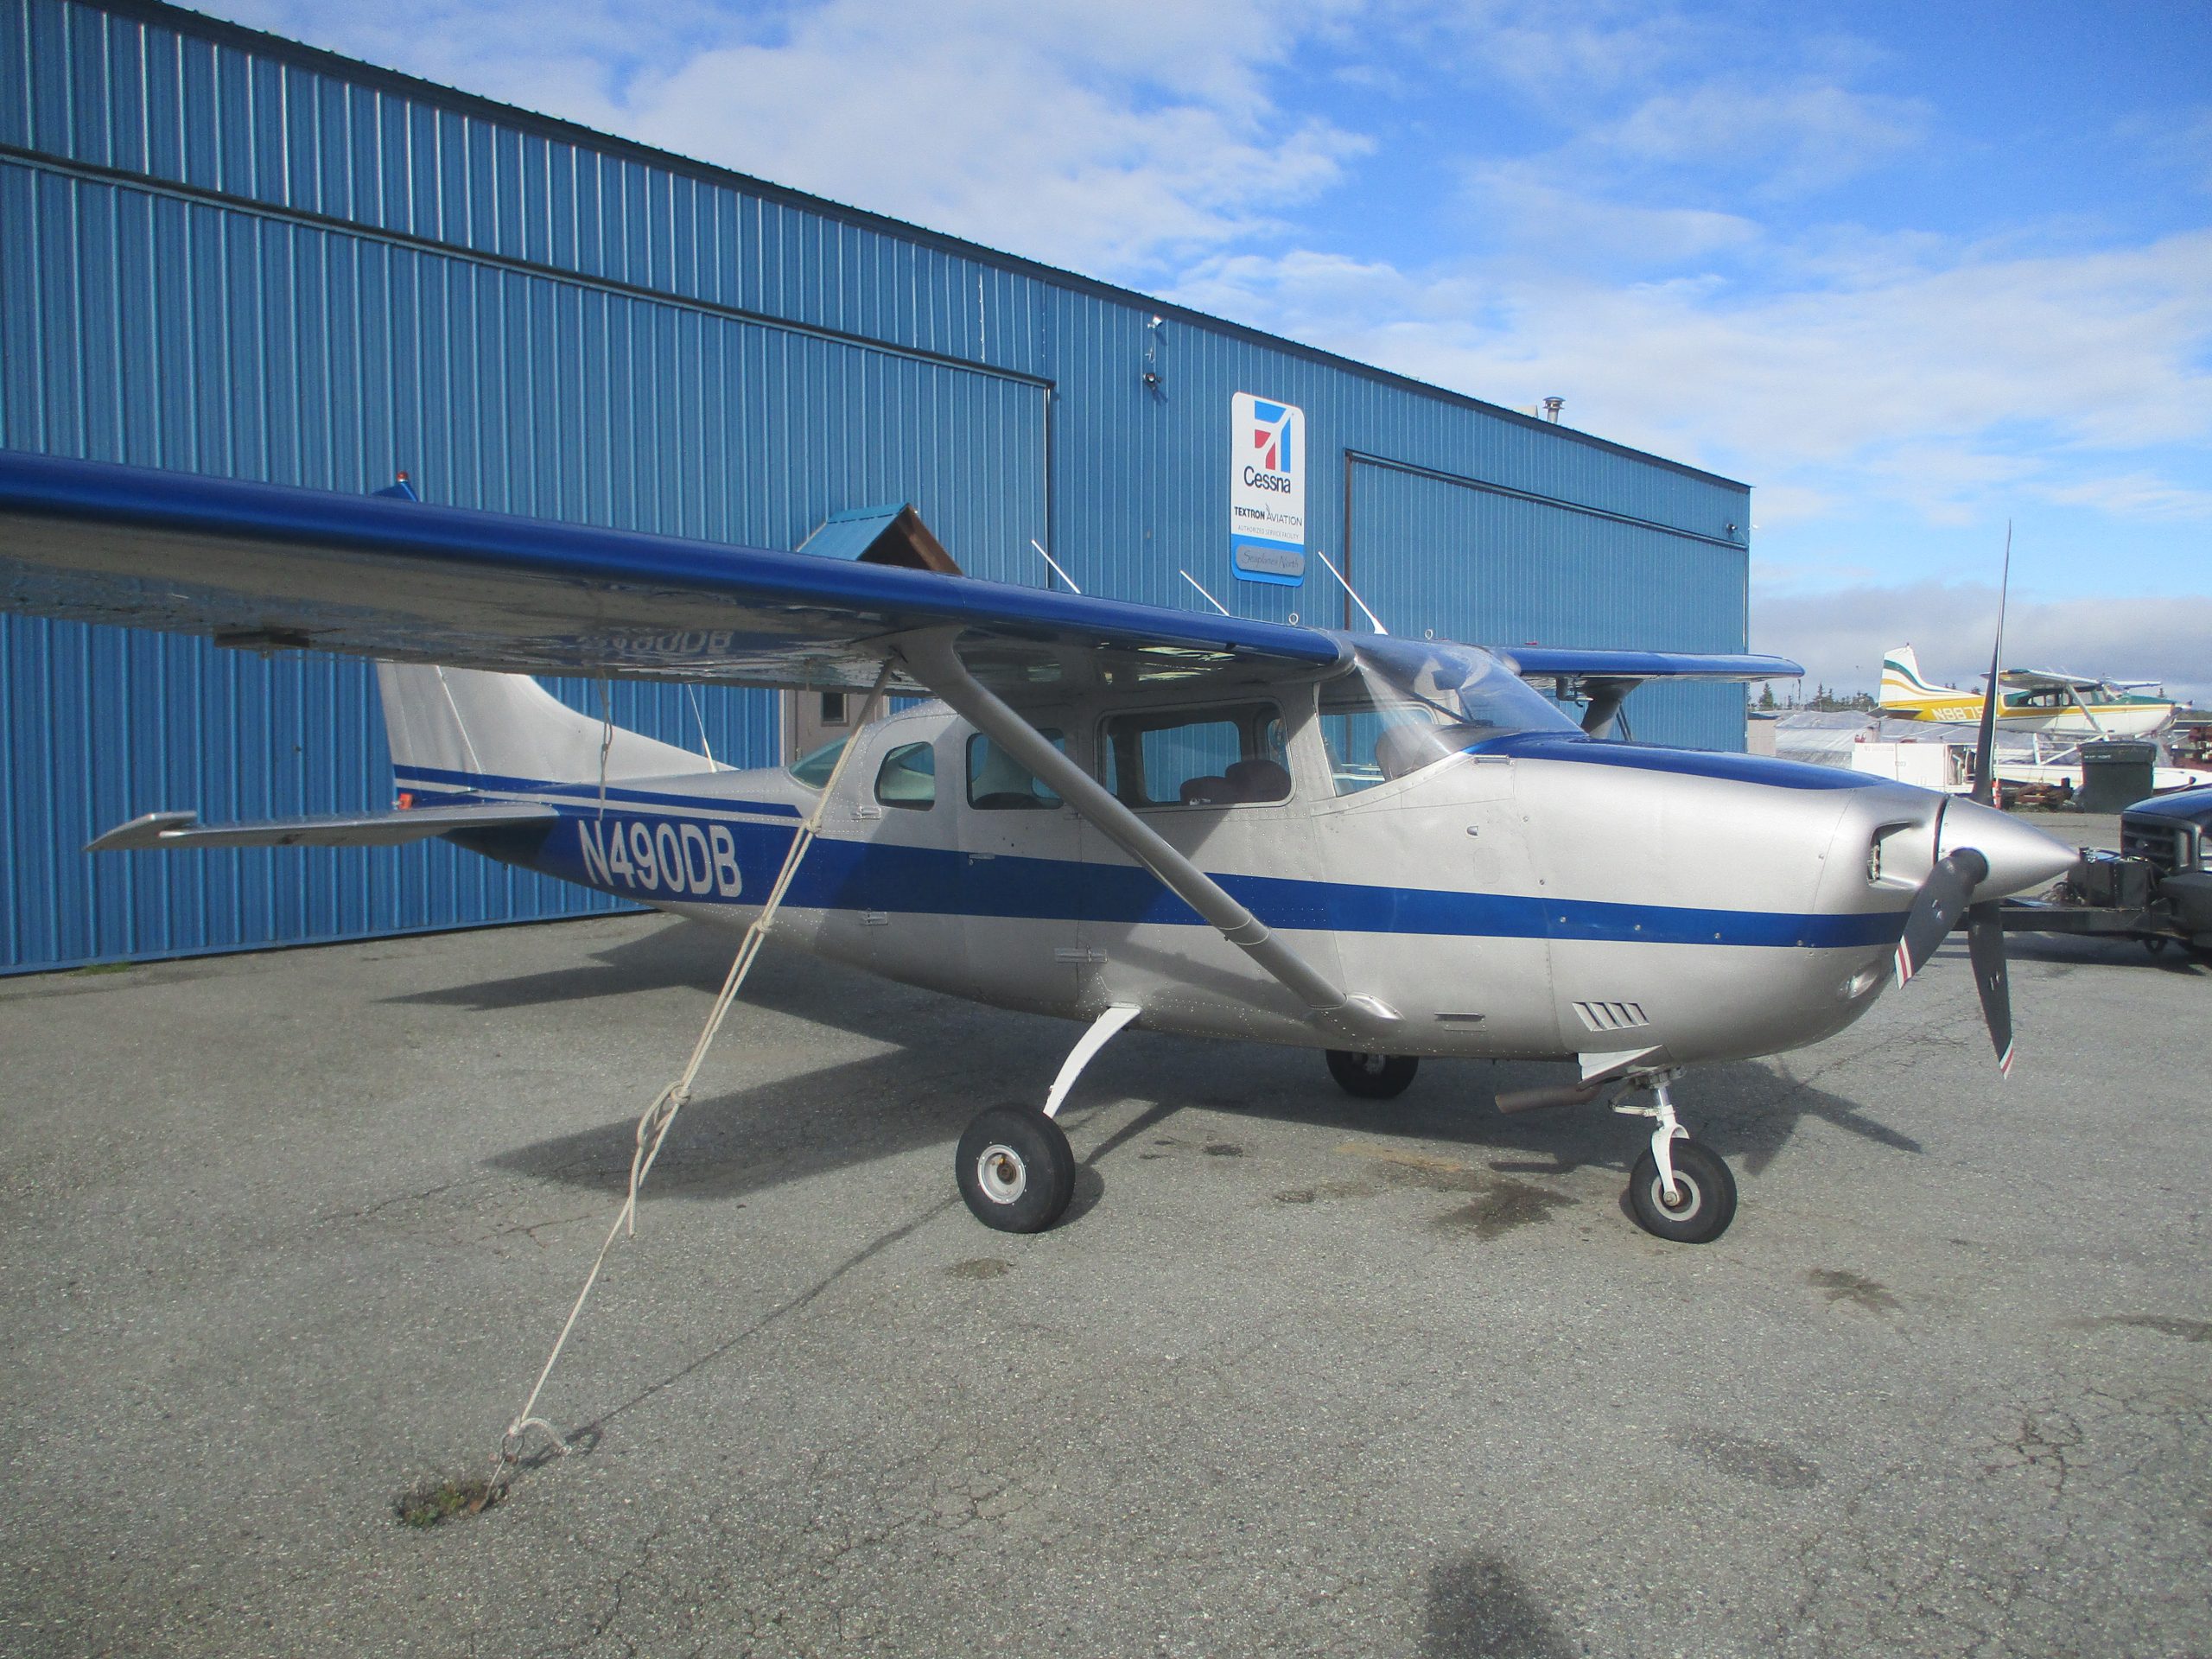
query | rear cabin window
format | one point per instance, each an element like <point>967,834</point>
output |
<point>907,777</point>
<point>1231,755</point>
<point>999,782</point>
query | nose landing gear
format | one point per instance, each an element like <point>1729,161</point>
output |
<point>1678,1190</point>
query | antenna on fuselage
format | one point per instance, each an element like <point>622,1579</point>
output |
<point>1353,591</point>
<point>700,714</point>
<point>1208,597</point>
<point>1055,564</point>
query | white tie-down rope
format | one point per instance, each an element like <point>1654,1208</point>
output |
<point>653,1126</point>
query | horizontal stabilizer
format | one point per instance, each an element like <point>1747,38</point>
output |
<point>339,830</point>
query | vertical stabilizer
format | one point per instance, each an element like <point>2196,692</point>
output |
<point>1904,687</point>
<point>474,725</point>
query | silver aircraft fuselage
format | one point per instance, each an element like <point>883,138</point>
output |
<point>1547,896</point>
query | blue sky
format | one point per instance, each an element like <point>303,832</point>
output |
<point>1910,271</point>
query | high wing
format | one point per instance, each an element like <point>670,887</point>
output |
<point>1603,679</point>
<point>2044,679</point>
<point>1571,663</point>
<point>269,567</point>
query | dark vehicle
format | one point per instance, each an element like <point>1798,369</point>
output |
<point>2156,888</point>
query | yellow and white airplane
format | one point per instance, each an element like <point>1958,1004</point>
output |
<point>2035,700</point>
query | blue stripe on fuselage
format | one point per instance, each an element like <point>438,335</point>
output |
<point>854,875</point>
<point>479,783</point>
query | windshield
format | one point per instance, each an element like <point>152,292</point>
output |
<point>813,770</point>
<point>1410,702</point>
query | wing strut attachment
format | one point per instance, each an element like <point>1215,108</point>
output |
<point>935,662</point>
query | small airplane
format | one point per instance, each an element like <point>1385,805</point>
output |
<point>2038,700</point>
<point>1384,848</point>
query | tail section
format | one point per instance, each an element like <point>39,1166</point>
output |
<point>458,727</point>
<point>1905,690</point>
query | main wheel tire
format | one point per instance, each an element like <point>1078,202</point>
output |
<point>1705,1190</point>
<point>1015,1169</point>
<point>1372,1077</point>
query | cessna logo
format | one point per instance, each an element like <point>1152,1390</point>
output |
<point>1272,438</point>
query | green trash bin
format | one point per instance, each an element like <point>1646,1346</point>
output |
<point>2116,772</point>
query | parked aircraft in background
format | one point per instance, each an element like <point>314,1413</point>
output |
<point>1387,850</point>
<point>2033,699</point>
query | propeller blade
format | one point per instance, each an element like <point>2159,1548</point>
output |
<point>1985,944</point>
<point>1937,907</point>
<point>1984,748</point>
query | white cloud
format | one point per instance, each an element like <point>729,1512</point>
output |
<point>1801,137</point>
<point>1565,53</point>
<point>1916,383</point>
<point>1841,634</point>
<point>1156,143</point>
<point>2134,495</point>
<point>1106,135</point>
<point>1524,204</point>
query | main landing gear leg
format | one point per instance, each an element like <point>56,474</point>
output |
<point>1678,1190</point>
<point>1015,1166</point>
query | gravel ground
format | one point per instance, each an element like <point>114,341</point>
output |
<point>286,1234</point>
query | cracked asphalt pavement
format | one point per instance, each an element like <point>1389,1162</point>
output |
<point>286,1234</point>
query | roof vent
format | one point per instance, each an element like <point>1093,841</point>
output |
<point>885,535</point>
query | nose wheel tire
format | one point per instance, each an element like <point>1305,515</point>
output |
<point>1015,1169</point>
<point>1372,1077</point>
<point>1705,1196</point>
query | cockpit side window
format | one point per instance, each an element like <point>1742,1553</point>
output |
<point>1410,703</point>
<point>1228,755</point>
<point>1372,742</point>
<point>999,782</point>
<point>907,777</point>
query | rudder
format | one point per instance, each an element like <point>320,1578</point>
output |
<point>459,724</point>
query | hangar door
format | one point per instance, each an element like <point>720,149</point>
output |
<point>302,353</point>
<point>1488,566</point>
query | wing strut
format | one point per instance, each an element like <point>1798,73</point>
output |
<point>935,662</point>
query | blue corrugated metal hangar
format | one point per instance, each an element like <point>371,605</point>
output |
<point>227,253</point>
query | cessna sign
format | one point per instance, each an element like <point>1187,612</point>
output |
<point>1267,490</point>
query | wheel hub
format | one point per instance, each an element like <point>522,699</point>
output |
<point>1001,1173</point>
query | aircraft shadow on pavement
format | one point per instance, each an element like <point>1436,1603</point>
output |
<point>2086,951</point>
<point>674,953</point>
<point>955,1058</point>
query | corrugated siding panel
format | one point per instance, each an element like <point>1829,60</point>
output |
<point>144,328</point>
<point>1474,564</point>
<point>1142,481</point>
<point>319,277</point>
